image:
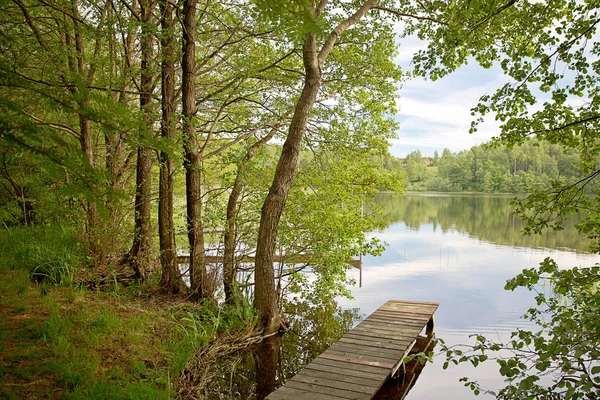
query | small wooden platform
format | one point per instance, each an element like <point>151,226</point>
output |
<point>360,362</point>
<point>290,259</point>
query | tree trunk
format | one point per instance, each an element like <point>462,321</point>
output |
<point>230,225</point>
<point>170,278</point>
<point>192,160</point>
<point>268,360</point>
<point>141,250</point>
<point>265,295</point>
<point>85,127</point>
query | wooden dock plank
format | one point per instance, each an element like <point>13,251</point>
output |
<point>408,317</point>
<point>367,351</point>
<point>345,394</point>
<point>358,364</point>
<point>289,393</point>
<point>392,329</point>
<point>356,359</point>
<point>336,376</point>
<point>363,346</point>
<point>406,320</point>
<point>344,369</point>
<point>334,384</point>
<point>364,369</point>
<point>374,342</point>
<point>365,334</point>
<point>386,333</point>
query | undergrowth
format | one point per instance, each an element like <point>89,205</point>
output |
<point>58,340</point>
<point>49,253</point>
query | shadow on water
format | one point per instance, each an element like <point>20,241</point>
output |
<point>267,362</point>
<point>253,373</point>
<point>489,218</point>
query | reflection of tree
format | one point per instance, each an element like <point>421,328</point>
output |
<point>312,329</point>
<point>484,217</point>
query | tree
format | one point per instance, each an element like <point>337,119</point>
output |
<point>550,50</point>
<point>192,161</point>
<point>170,280</point>
<point>141,253</point>
<point>318,34</point>
<point>415,166</point>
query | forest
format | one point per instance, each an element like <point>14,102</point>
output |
<point>133,132</point>
<point>490,168</point>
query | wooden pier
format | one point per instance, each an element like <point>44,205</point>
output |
<point>290,259</point>
<point>366,357</point>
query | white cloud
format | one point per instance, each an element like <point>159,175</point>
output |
<point>436,115</point>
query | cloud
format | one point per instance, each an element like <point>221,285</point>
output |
<point>436,115</point>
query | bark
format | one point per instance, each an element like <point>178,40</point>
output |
<point>87,146</point>
<point>85,128</point>
<point>229,272</point>
<point>268,362</point>
<point>170,281</point>
<point>192,159</point>
<point>265,295</point>
<point>141,250</point>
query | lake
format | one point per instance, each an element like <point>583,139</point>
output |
<point>458,250</point>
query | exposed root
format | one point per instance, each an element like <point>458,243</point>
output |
<point>198,372</point>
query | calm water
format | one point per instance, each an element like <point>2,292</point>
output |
<point>459,251</point>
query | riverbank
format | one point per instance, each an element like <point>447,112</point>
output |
<point>59,339</point>
<point>63,342</point>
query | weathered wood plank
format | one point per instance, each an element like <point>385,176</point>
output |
<point>406,325</point>
<point>366,369</point>
<point>397,326</point>
<point>399,337</point>
<point>289,393</point>
<point>407,304</point>
<point>404,316</point>
<point>381,316</point>
<point>306,377</point>
<point>366,350</point>
<point>429,303</point>
<point>337,376</point>
<point>345,394</point>
<point>358,364</point>
<point>388,333</point>
<point>345,369</point>
<point>357,359</point>
<point>394,323</point>
<point>375,342</point>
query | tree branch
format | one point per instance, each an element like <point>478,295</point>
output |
<point>353,19</point>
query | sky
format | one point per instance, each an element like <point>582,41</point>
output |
<point>436,115</point>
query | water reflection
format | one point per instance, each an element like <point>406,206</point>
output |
<point>268,361</point>
<point>459,251</point>
<point>488,218</point>
<point>313,325</point>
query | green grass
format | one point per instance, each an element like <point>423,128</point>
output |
<point>79,344</point>
<point>52,254</point>
<point>86,344</point>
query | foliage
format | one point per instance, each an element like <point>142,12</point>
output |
<point>562,358</point>
<point>549,51</point>
<point>494,168</point>
<point>52,254</point>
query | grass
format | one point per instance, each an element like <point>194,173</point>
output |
<point>60,341</point>
<point>80,344</point>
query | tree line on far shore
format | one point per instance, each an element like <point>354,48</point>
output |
<point>489,168</point>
